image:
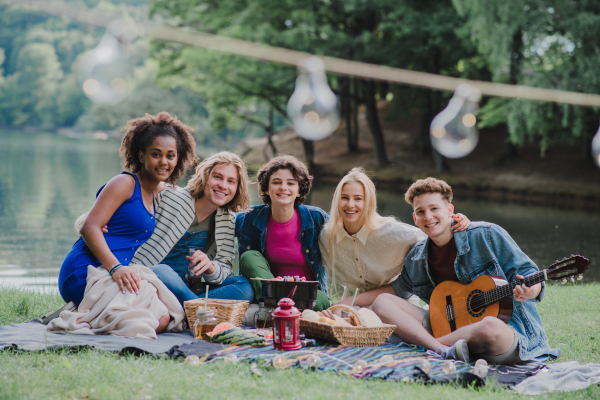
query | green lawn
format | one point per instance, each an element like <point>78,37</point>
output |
<point>570,314</point>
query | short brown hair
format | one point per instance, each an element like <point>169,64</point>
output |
<point>292,164</point>
<point>196,185</point>
<point>429,185</point>
<point>140,132</point>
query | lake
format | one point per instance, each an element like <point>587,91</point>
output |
<point>47,180</point>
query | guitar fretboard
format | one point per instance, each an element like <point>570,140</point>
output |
<point>503,292</point>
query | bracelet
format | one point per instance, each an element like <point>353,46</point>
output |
<point>114,268</point>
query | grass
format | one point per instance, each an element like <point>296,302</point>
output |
<point>569,312</point>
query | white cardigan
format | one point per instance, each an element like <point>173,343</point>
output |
<point>175,212</point>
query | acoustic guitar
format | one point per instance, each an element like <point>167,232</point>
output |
<point>454,305</point>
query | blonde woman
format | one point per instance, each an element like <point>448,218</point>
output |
<point>200,216</point>
<point>361,248</point>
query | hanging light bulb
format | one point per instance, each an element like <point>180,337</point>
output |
<point>313,107</point>
<point>454,131</point>
<point>103,71</point>
<point>596,148</point>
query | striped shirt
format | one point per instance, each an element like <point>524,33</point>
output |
<point>175,212</point>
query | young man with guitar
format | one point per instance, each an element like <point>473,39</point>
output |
<point>483,249</point>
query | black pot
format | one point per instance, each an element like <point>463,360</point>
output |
<point>305,296</point>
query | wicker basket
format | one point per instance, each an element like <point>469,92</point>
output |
<point>355,336</point>
<point>231,311</point>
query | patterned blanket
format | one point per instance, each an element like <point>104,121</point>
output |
<point>405,363</point>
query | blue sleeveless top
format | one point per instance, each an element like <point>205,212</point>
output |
<point>130,226</point>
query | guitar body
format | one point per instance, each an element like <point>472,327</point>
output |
<point>454,305</point>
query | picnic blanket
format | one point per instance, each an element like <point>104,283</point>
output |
<point>33,336</point>
<point>404,367</point>
<point>106,310</point>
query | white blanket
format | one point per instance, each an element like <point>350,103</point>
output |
<point>105,310</point>
<point>560,377</point>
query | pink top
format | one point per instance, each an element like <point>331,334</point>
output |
<point>283,250</point>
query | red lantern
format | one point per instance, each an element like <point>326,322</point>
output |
<point>286,326</point>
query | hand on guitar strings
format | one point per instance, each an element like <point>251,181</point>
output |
<point>523,293</point>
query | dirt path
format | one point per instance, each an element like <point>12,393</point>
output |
<point>563,177</point>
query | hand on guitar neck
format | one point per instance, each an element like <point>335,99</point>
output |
<point>523,292</point>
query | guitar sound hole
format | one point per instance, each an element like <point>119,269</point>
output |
<point>475,303</point>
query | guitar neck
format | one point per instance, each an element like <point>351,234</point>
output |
<point>506,291</point>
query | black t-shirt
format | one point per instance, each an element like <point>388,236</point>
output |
<point>441,262</point>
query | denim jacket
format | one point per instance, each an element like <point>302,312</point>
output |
<point>483,249</point>
<point>251,230</point>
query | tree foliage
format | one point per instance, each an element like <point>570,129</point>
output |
<point>551,44</point>
<point>39,85</point>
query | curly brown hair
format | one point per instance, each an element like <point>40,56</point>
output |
<point>196,185</point>
<point>140,132</point>
<point>292,164</point>
<point>429,185</point>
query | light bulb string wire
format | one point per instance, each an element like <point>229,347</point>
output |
<point>292,57</point>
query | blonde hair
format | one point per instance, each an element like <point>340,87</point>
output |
<point>370,218</point>
<point>196,185</point>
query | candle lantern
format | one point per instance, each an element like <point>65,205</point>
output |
<point>286,326</point>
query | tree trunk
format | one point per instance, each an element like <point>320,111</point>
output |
<point>309,153</point>
<point>269,130</point>
<point>354,105</point>
<point>374,124</point>
<point>431,104</point>
<point>346,103</point>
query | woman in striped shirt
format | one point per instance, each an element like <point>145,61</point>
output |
<point>201,217</point>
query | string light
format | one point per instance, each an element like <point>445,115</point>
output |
<point>449,368</point>
<point>104,71</point>
<point>425,366</point>
<point>192,361</point>
<point>359,366</point>
<point>481,368</point>
<point>314,361</point>
<point>596,148</point>
<point>279,362</point>
<point>231,358</point>
<point>454,131</point>
<point>313,107</point>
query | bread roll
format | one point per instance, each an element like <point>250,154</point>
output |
<point>310,315</point>
<point>341,321</point>
<point>326,320</point>
<point>368,318</point>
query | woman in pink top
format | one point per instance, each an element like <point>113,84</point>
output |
<point>281,237</point>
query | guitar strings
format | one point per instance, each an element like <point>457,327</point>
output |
<point>496,294</point>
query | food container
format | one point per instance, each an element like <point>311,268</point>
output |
<point>232,311</point>
<point>355,336</point>
<point>275,290</point>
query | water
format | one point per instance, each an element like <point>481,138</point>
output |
<point>46,181</point>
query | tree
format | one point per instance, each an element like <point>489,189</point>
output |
<point>556,45</point>
<point>347,29</point>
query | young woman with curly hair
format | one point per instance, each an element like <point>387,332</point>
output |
<point>156,149</point>
<point>281,237</point>
<point>200,217</point>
